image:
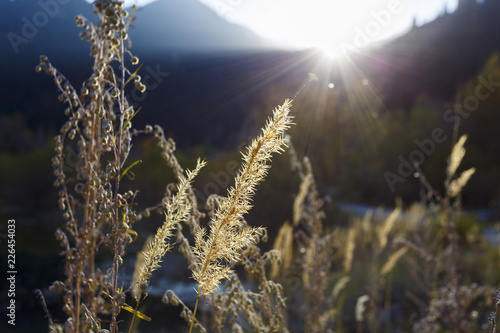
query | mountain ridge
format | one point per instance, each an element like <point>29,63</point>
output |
<point>431,60</point>
<point>182,26</point>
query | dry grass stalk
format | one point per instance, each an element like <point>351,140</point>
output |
<point>393,260</point>
<point>456,156</point>
<point>388,226</point>
<point>139,263</point>
<point>263,310</point>
<point>300,198</point>
<point>451,304</point>
<point>176,211</point>
<point>455,186</point>
<point>458,184</point>
<point>314,260</point>
<point>349,249</point>
<point>284,244</point>
<point>228,235</point>
<point>186,313</point>
<point>340,285</point>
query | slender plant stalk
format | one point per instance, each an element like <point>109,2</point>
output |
<point>228,235</point>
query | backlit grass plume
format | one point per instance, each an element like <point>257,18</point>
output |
<point>176,211</point>
<point>455,186</point>
<point>227,234</point>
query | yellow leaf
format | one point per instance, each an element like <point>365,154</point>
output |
<point>128,120</point>
<point>133,233</point>
<point>128,168</point>
<point>133,74</point>
<point>117,53</point>
<point>137,313</point>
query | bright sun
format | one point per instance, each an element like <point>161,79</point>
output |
<point>312,23</point>
<point>327,25</point>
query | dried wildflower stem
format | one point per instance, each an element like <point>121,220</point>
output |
<point>118,156</point>
<point>228,235</point>
<point>95,211</point>
<point>67,93</point>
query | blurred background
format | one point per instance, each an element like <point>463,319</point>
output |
<point>377,86</point>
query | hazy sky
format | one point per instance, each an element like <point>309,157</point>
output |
<point>326,24</point>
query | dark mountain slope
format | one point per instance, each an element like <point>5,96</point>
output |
<point>436,57</point>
